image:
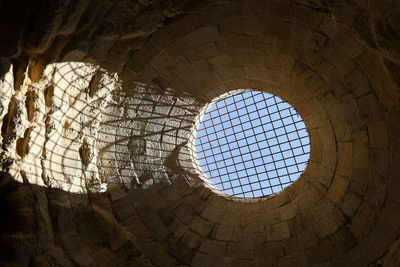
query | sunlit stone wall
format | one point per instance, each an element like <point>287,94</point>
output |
<point>51,126</point>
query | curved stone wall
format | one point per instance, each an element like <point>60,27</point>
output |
<point>335,63</point>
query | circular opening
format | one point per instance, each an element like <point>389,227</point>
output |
<point>251,144</point>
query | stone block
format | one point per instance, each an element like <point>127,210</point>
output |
<point>363,222</point>
<point>242,42</point>
<point>320,177</point>
<point>343,240</point>
<point>182,186</point>
<point>292,246</point>
<point>361,153</point>
<point>177,65</point>
<point>116,193</point>
<point>314,257</point>
<point>103,256</point>
<point>352,111</point>
<point>338,189</point>
<point>368,251</point>
<point>223,233</point>
<point>309,57</point>
<point>177,228</point>
<point>203,52</point>
<point>123,207</point>
<point>327,136</point>
<point>343,130</point>
<point>296,260</point>
<point>316,144</point>
<point>259,72</point>
<point>213,214</point>
<point>241,249</point>
<point>281,11</point>
<point>307,198</point>
<point>307,238</point>
<point>179,250</point>
<point>156,228</point>
<point>391,258</point>
<point>379,79</point>
<point>335,82</point>
<point>296,225</point>
<point>141,58</point>
<point>159,256</point>
<point>376,192</point>
<point>185,213</point>
<point>248,56</point>
<point>345,158</point>
<point>230,73</point>
<point>288,211</point>
<point>199,78</point>
<point>322,209</point>
<point>196,202</point>
<point>328,225</point>
<point>213,247</point>
<point>277,28</point>
<point>393,189</point>
<point>370,107</point>
<point>269,250</point>
<point>278,232</point>
<point>350,43</point>
<point>201,226</point>
<point>192,239</point>
<point>350,203</point>
<point>316,85</point>
<point>343,63</point>
<point>357,82</point>
<point>249,219</point>
<point>118,238</point>
<point>328,161</point>
<point>161,39</point>
<point>224,60</point>
<point>200,37</point>
<point>278,60</point>
<point>185,25</point>
<point>389,221</point>
<point>308,17</point>
<point>254,234</point>
<point>304,72</point>
<point>377,133</point>
<point>224,12</point>
<point>251,262</point>
<point>244,26</point>
<point>270,217</point>
<point>231,218</point>
<point>201,259</point>
<point>171,197</point>
<point>380,163</point>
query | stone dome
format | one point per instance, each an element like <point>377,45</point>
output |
<point>98,104</point>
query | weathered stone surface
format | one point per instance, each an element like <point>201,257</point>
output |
<point>377,132</point>
<point>69,122</point>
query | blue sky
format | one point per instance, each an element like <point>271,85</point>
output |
<point>252,144</point>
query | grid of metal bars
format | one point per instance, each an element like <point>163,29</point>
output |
<point>252,144</point>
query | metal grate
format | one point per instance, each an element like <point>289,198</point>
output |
<point>252,144</point>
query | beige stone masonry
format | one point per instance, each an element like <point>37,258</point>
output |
<point>103,103</point>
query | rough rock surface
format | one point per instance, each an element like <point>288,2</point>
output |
<point>52,126</point>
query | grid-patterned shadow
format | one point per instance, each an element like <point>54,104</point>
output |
<point>252,144</point>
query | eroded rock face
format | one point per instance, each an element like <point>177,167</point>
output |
<point>51,126</point>
<point>49,227</point>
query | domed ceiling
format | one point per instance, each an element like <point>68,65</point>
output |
<point>99,100</point>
